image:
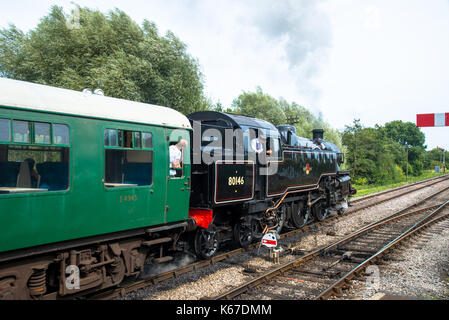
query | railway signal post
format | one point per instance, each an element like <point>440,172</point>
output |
<point>443,156</point>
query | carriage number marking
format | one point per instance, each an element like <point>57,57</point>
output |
<point>236,181</point>
<point>128,198</point>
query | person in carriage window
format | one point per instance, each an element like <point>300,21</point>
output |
<point>176,152</point>
<point>28,176</point>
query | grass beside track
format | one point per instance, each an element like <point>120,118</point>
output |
<point>364,190</point>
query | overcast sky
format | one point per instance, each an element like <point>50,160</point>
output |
<point>375,60</point>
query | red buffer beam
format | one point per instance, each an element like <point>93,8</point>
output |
<point>433,120</point>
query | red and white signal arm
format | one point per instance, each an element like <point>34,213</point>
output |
<point>432,120</point>
<point>270,240</point>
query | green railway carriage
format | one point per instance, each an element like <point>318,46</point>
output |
<point>85,181</point>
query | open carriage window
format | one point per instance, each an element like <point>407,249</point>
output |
<point>176,154</point>
<point>128,158</point>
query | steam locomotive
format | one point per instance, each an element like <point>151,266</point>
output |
<point>291,183</point>
<point>88,198</point>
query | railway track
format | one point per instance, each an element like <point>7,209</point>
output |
<point>155,279</point>
<point>326,271</point>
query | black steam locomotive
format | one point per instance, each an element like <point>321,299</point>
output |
<point>249,177</point>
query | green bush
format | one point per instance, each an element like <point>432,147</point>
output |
<point>360,181</point>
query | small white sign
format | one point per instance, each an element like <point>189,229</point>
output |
<point>270,240</point>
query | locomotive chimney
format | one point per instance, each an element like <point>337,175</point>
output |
<point>318,134</point>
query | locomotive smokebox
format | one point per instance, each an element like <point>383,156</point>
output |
<point>318,134</point>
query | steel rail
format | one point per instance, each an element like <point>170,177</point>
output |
<point>334,288</point>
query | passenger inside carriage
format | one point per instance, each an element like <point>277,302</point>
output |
<point>28,176</point>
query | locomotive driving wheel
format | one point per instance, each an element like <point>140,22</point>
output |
<point>244,233</point>
<point>300,215</point>
<point>206,242</point>
<point>320,212</point>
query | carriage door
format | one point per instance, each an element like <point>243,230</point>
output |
<point>178,176</point>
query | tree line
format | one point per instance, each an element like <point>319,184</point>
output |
<point>130,61</point>
<point>387,154</point>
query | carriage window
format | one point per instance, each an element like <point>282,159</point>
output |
<point>147,140</point>
<point>42,133</point>
<point>5,130</point>
<point>122,139</point>
<point>124,167</point>
<point>61,134</point>
<point>128,139</point>
<point>128,168</point>
<point>137,140</point>
<point>21,131</point>
<point>110,138</point>
<point>176,157</point>
<point>31,169</point>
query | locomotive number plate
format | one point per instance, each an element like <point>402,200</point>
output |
<point>234,181</point>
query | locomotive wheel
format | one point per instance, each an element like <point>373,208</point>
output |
<point>299,215</point>
<point>206,242</point>
<point>244,234</point>
<point>319,212</point>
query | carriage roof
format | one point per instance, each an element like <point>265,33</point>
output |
<point>42,98</point>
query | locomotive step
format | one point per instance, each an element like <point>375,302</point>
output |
<point>163,259</point>
<point>157,241</point>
